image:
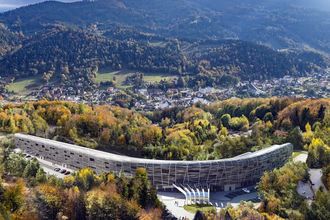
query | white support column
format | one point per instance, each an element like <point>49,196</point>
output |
<point>183,192</point>
<point>204,195</point>
<point>194,194</point>
<point>189,195</point>
<point>199,196</point>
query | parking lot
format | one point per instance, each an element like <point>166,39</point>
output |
<point>234,194</point>
<point>51,168</point>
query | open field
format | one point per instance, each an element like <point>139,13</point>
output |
<point>120,76</point>
<point>23,86</point>
<point>194,208</point>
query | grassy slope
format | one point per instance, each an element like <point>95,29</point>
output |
<point>23,86</point>
<point>195,208</point>
<point>103,76</point>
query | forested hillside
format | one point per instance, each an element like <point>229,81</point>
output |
<point>221,130</point>
<point>64,55</point>
<point>213,44</point>
<point>8,40</point>
<point>74,54</point>
<point>278,23</point>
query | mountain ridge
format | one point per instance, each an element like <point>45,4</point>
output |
<point>164,37</point>
<point>279,24</point>
<point>81,52</point>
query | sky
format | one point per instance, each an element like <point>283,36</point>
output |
<point>11,4</point>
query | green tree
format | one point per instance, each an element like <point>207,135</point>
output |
<point>296,138</point>
<point>268,117</point>
<point>41,176</point>
<point>15,164</point>
<point>320,207</point>
<point>225,119</point>
<point>13,196</point>
<point>31,169</point>
<point>141,190</point>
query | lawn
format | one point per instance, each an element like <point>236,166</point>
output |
<point>23,86</point>
<point>297,153</point>
<point>108,76</point>
<point>150,77</point>
<point>105,75</point>
<point>194,208</point>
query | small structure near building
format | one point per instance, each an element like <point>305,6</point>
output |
<point>194,195</point>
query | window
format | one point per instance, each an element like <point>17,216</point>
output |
<point>91,159</point>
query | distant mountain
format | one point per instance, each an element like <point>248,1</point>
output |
<point>206,39</point>
<point>277,23</point>
<point>77,53</point>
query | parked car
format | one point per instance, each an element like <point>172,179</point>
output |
<point>67,173</point>
<point>63,171</point>
<point>57,169</point>
<point>246,190</point>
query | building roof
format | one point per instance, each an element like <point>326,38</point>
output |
<point>123,158</point>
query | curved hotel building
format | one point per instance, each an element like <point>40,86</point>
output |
<point>225,174</point>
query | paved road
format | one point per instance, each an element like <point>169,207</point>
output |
<point>301,157</point>
<point>315,177</point>
<point>49,168</point>
<point>169,198</point>
<point>305,190</point>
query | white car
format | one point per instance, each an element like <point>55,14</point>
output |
<point>246,190</point>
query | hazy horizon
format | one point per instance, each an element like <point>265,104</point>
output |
<point>324,5</point>
<point>6,5</point>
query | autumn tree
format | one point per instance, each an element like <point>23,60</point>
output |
<point>49,201</point>
<point>318,154</point>
<point>278,189</point>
